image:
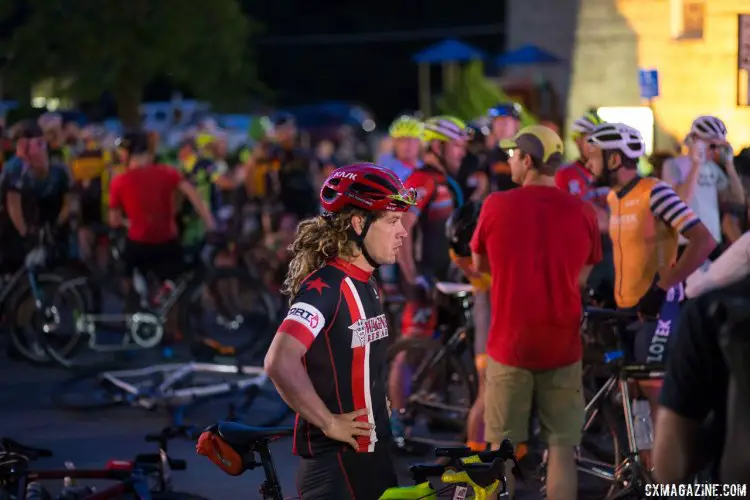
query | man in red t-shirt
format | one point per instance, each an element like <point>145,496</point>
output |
<point>146,194</point>
<point>538,243</point>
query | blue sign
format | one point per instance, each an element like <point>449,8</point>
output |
<point>648,81</point>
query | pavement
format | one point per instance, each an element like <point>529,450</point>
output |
<point>90,439</point>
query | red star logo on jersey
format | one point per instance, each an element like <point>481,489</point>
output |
<point>317,284</point>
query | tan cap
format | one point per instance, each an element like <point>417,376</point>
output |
<point>539,142</point>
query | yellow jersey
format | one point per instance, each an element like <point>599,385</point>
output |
<point>90,164</point>
<point>645,219</point>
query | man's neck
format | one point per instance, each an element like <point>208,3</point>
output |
<point>625,178</point>
<point>535,179</point>
<point>359,261</point>
<point>38,172</point>
<point>433,162</point>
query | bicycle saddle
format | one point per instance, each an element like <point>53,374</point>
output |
<point>245,436</point>
<point>459,289</point>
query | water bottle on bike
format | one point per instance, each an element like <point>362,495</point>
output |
<point>642,425</point>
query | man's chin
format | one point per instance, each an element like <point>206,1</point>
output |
<point>388,261</point>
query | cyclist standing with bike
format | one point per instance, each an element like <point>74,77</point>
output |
<point>538,243</point>
<point>460,229</point>
<point>35,192</point>
<point>646,217</point>
<point>328,358</point>
<point>146,194</point>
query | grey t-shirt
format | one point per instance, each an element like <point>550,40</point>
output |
<point>705,198</point>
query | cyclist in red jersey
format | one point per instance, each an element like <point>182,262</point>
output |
<point>328,359</point>
<point>438,194</point>
<point>576,178</point>
<point>425,256</point>
<point>146,194</point>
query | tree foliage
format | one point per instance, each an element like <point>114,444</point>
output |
<point>95,46</point>
<point>474,94</point>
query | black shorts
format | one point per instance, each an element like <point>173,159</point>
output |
<point>164,260</point>
<point>90,200</point>
<point>347,475</point>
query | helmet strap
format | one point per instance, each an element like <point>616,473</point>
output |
<point>609,173</point>
<point>440,157</point>
<point>359,239</point>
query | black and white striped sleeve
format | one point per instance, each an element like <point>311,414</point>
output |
<point>669,207</point>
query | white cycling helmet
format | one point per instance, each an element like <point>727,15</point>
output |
<point>619,137</point>
<point>709,127</point>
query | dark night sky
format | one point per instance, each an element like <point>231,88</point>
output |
<point>379,74</point>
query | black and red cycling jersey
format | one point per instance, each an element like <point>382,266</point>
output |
<point>578,180</point>
<point>438,195</point>
<point>338,316</point>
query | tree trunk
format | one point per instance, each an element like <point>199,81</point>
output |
<point>128,100</point>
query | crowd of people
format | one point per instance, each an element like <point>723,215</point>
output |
<point>527,230</point>
<point>488,199</point>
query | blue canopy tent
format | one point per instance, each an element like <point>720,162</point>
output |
<point>449,53</point>
<point>526,56</point>
<point>449,50</point>
<point>532,55</point>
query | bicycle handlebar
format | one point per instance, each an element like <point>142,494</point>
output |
<point>8,445</point>
<point>170,433</point>
<point>505,452</point>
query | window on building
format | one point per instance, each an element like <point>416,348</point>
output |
<point>688,18</point>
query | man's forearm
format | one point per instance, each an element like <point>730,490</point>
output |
<point>696,253</point>
<point>16,217</point>
<point>735,185</point>
<point>64,214</point>
<point>296,389</point>
<point>685,189</point>
<point>406,261</point>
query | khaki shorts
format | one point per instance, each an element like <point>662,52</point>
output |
<point>509,395</point>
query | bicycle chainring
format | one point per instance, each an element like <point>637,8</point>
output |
<point>146,329</point>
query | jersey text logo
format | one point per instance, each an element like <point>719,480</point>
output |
<point>308,316</point>
<point>365,331</point>
<point>659,342</point>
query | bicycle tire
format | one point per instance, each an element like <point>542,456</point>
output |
<point>266,316</point>
<point>609,427</point>
<point>175,495</point>
<point>596,445</point>
<point>60,396</point>
<point>21,339</point>
<point>454,366</point>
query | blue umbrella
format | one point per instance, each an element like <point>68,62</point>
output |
<point>526,55</point>
<point>448,51</point>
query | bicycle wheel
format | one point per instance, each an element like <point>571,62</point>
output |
<point>89,391</point>
<point>175,495</point>
<point>600,441</point>
<point>28,322</point>
<point>231,312</point>
<point>437,387</point>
